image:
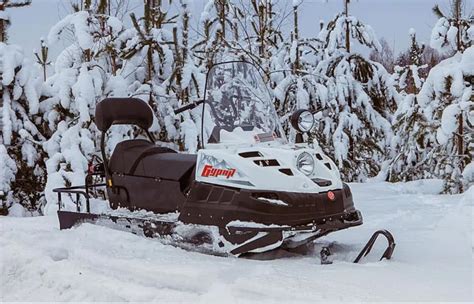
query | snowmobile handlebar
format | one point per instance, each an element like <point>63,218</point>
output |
<point>188,106</point>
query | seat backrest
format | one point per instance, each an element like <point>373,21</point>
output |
<point>115,111</point>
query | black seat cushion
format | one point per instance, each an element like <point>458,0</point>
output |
<point>142,158</point>
<point>113,111</point>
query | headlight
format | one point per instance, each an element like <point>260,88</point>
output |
<point>305,163</point>
<point>302,121</point>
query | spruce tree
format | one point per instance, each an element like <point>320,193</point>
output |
<point>413,140</point>
<point>355,126</point>
<point>22,175</point>
<point>446,96</point>
<point>84,75</point>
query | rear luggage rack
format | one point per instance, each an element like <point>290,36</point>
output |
<point>79,191</point>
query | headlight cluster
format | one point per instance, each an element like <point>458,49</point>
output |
<point>305,163</point>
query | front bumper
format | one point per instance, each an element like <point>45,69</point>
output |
<point>217,205</point>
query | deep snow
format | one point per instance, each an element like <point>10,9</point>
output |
<point>433,259</point>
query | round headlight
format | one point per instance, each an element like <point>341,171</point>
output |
<point>302,120</point>
<point>305,163</point>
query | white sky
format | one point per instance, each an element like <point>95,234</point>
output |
<point>390,18</point>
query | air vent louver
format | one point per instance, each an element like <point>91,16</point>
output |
<point>286,171</point>
<point>251,154</point>
<point>267,162</point>
<point>322,182</point>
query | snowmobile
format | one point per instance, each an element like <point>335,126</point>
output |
<point>247,190</point>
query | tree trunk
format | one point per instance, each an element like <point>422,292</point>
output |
<point>296,65</point>
<point>3,26</point>
<point>348,30</point>
<point>457,17</point>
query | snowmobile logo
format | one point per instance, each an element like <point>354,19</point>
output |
<point>210,171</point>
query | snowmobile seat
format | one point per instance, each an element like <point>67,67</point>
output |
<point>123,111</point>
<point>140,157</point>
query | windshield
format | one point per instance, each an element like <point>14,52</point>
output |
<point>238,107</point>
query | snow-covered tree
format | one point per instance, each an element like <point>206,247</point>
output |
<point>447,102</point>
<point>446,97</point>
<point>414,136</point>
<point>453,32</point>
<point>84,74</point>
<point>409,78</point>
<point>354,125</point>
<point>219,32</point>
<point>22,167</point>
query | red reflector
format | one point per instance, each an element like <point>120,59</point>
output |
<point>331,195</point>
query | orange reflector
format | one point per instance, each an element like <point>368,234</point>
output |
<point>109,182</point>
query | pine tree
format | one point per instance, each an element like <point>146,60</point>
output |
<point>297,86</point>
<point>446,99</point>
<point>413,138</point>
<point>219,33</point>
<point>452,33</point>
<point>83,76</point>
<point>355,127</point>
<point>409,78</point>
<point>21,138</point>
<point>446,95</point>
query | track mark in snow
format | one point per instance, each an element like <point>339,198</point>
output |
<point>432,261</point>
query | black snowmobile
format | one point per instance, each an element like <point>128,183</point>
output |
<point>246,190</point>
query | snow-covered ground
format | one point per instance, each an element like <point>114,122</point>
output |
<point>433,259</point>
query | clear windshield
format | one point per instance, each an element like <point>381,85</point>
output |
<point>238,106</point>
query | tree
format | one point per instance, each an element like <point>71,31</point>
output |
<point>22,171</point>
<point>452,32</point>
<point>446,99</point>
<point>413,138</point>
<point>360,99</point>
<point>219,32</point>
<point>4,18</point>
<point>84,75</point>
<point>407,76</point>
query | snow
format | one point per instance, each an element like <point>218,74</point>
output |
<point>432,260</point>
<point>273,201</point>
<point>81,31</point>
<point>4,16</point>
<point>7,174</point>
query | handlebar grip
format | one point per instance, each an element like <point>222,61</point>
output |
<point>185,108</point>
<point>188,107</point>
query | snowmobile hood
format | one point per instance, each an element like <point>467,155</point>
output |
<point>266,167</point>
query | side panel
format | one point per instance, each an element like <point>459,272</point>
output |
<point>135,192</point>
